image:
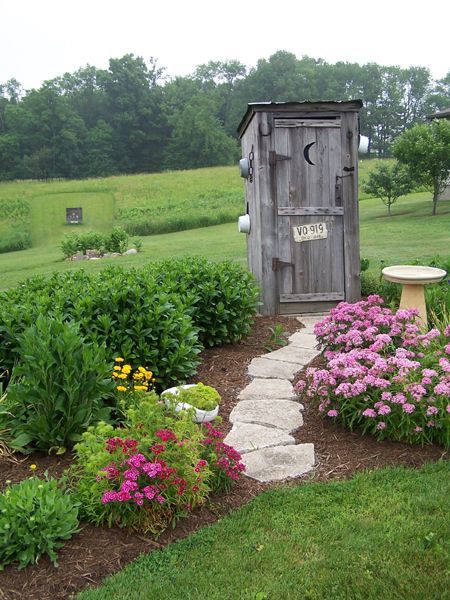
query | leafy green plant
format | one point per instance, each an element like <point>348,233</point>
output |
<point>117,241</point>
<point>153,469</point>
<point>63,384</point>
<point>35,516</point>
<point>277,338</point>
<point>203,397</point>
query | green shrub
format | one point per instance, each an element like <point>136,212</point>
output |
<point>62,386</point>
<point>117,241</point>
<point>156,316</point>
<point>222,297</point>
<point>35,515</point>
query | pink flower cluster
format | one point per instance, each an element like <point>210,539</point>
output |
<point>228,459</point>
<point>140,478</point>
<point>382,373</point>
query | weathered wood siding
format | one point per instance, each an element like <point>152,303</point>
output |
<point>305,172</point>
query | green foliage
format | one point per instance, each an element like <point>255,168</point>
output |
<point>222,296</point>
<point>116,241</point>
<point>150,433</point>
<point>62,384</point>
<point>276,339</point>
<point>425,149</point>
<point>35,515</point>
<point>388,181</point>
<point>156,316</point>
<point>203,397</point>
<point>14,224</point>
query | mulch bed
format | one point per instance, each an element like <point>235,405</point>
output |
<point>84,561</point>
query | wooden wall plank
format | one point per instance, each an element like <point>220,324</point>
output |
<point>329,297</point>
<point>310,210</point>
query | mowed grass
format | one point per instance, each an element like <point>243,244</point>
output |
<point>384,534</point>
<point>48,215</point>
<point>219,242</point>
<point>411,232</point>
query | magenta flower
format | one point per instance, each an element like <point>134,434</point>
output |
<point>408,408</point>
<point>332,413</point>
<point>369,412</point>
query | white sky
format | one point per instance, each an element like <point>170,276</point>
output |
<point>41,39</point>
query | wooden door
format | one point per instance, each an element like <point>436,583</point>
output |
<point>310,224</point>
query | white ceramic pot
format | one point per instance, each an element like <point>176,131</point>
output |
<point>200,416</point>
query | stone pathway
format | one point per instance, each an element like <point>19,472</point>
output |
<point>268,411</point>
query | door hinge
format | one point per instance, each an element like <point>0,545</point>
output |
<point>274,158</point>
<point>278,264</point>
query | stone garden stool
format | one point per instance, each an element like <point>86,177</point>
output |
<point>413,279</point>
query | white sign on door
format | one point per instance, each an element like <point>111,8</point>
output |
<point>313,231</point>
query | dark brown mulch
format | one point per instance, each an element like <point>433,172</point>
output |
<point>83,560</point>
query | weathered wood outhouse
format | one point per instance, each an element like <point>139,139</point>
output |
<point>301,168</point>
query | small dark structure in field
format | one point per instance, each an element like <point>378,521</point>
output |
<point>74,215</point>
<point>301,166</point>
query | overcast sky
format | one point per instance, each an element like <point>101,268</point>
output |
<point>41,39</point>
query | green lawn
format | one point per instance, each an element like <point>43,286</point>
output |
<point>380,535</point>
<point>48,215</point>
<point>410,233</point>
<point>219,242</point>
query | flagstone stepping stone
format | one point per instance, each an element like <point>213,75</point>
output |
<point>270,369</point>
<point>303,340</point>
<point>292,354</point>
<point>282,462</point>
<point>284,414</point>
<point>248,437</point>
<point>273,389</point>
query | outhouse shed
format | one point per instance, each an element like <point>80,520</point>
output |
<point>300,161</point>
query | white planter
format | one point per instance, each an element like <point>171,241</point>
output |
<point>201,416</point>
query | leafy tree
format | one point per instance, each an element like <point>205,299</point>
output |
<point>198,137</point>
<point>388,182</point>
<point>425,149</point>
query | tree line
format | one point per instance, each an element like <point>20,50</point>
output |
<point>131,118</point>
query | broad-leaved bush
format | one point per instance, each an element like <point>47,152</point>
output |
<point>62,385</point>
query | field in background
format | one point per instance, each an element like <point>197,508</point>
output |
<point>189,198</point>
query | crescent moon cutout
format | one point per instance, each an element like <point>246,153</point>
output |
<point>306,153</point>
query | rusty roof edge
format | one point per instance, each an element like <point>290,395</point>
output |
<point>253,106</point>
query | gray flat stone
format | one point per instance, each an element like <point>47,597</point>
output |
<point>282,462</point>
<point>303,340</point>
<point>293,354</point>
<point>248,437</point>
<point>273,389</point>
<point>284,414</point>
<point>272,369</point>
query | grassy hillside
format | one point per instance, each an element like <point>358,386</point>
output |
<point>185,198</point>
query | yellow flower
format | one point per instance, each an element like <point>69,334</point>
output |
<point>121,388</point>
<point>148,374</point>
<point>138,376</point>
<point>126,369</point>
<point>119,359</point>
<point>33,467</point>
<point>122,376</point>
<point>140,388</point>
<point>117,368</point>
<point>114,374</point>
<point>141,370</point>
